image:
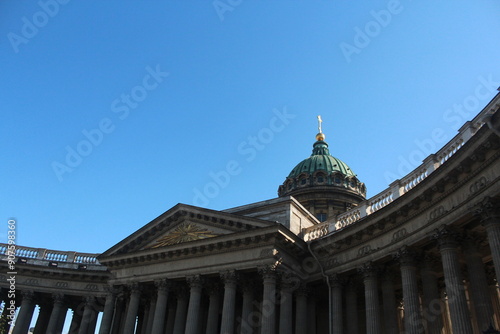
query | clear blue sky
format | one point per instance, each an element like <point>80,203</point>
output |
<point>172,93</point>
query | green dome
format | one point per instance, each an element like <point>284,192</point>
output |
<point>321,159</point>
<point>323,184</point>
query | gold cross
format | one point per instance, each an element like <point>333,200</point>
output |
<point>319,123</point>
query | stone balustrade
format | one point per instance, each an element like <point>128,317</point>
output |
<point>404,185</point>
<point>350,217</point>
<point>51,255</point>
<point>317,231</point>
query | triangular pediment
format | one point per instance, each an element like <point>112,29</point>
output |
<point>186,231</point>
<point>184,224</point>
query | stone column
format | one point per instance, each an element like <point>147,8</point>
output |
<point>303,325</point>
<point>109,308</point>
<point>459,312</point>
<point>25,314</point>
<point>413,319</point>
<point>389,303</point>
<point>352,306</point>
<point>162,287</point>
<point>119,312</point>
<point>228,306</point>
<point>76,320</point>
<point>55,326</point>
<point>372,305</point>
<point>286,312</point>
<point>478,283</point>
<point>133,308</point>
<point>181,311</point>
<point>169,326</point>
<point>493,290</point>
<point>431,299</point>
<point>149,317</point>
<point>311,314</point>
<point>142,315</point>
<point>195,284</point>
<point>268,309</point>
<point>87,315</point>
<point>490,218</point>
<point>93,321</point>
<point>213,309</point>
<point>336,293</point>
<point>246,312</point>
<point>43,319</point>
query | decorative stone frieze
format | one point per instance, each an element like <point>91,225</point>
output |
<point>399,234</point>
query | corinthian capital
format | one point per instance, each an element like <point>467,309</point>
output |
<point>228,276</point>
<point>446,237</point>
<point>268,272</point>
<point>488,210</point>
<point>163,284</point>
<point>368,269</point>
<point>195,281</point>
<point>406,256</point>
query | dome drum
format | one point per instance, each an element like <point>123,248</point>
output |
<point>336,181</point>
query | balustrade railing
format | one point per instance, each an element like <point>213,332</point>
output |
<point>51,255</point>
<point>400,187</point>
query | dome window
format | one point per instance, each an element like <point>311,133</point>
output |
<point>321,217</point>
<point>320,179</point>
<point>303,181</point>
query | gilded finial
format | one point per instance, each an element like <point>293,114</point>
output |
<point>320,135</point>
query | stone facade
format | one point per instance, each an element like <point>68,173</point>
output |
<point>420,257</point>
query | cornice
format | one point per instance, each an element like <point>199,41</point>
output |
<point>272,235</point>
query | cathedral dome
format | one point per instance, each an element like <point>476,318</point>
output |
<point>321,160</point>
<point>322,183</point>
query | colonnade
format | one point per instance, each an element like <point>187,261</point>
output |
<point>435,290</point>
<point>53,309</point>
<point>272,302</point>
<point>268,302</point>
